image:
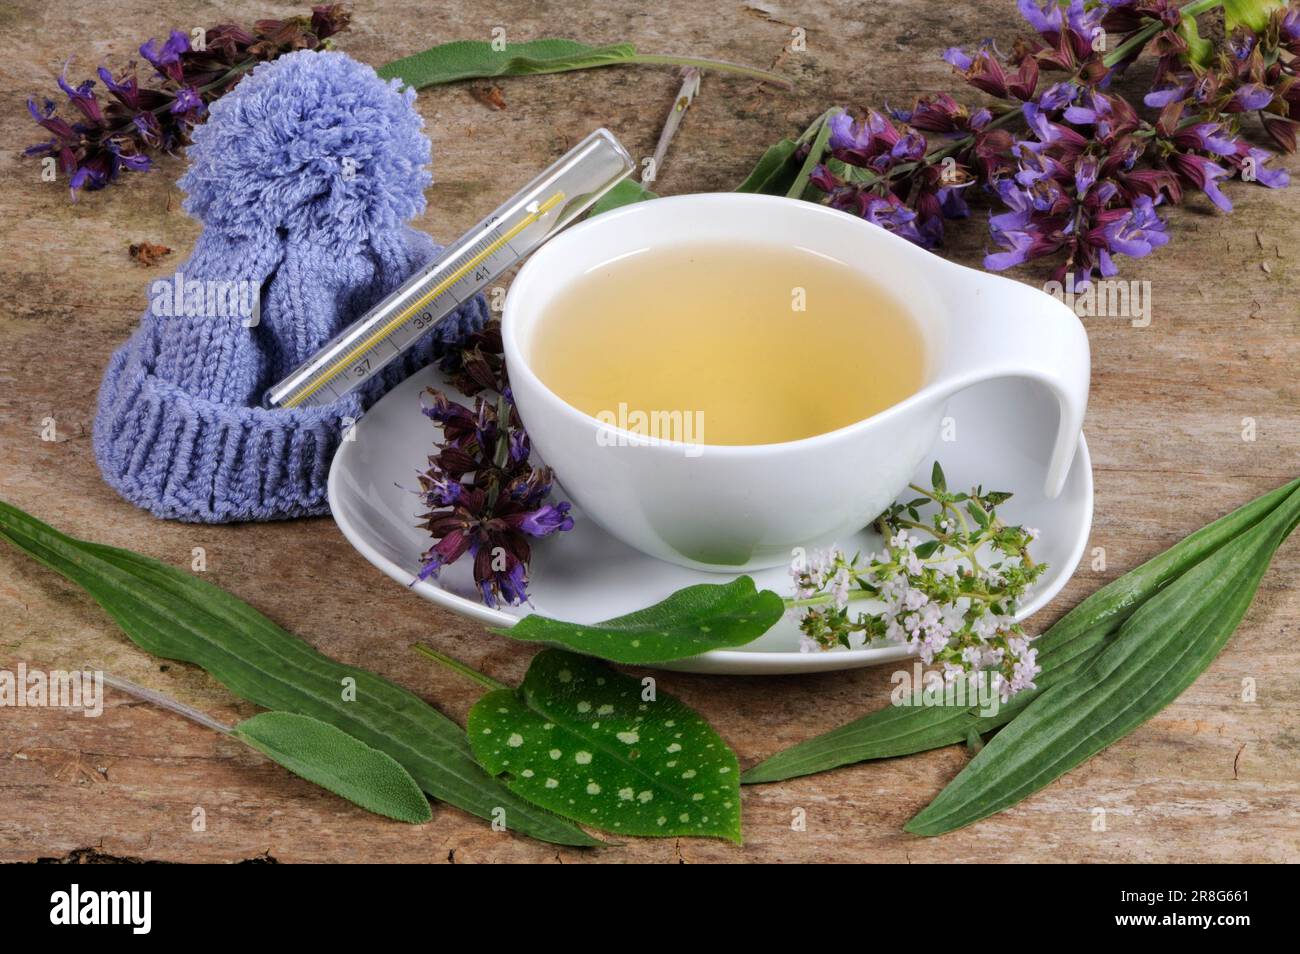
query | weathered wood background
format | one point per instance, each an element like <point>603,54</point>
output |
<point>1211,778</point>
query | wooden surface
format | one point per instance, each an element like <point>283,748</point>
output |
<point>1210,778</point>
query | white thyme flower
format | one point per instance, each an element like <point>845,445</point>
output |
<point>919,603</point>
<point>839,587</point>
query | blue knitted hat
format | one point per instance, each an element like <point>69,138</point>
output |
<point>304,177</point>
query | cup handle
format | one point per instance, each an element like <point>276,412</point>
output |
<point>1001,328</point>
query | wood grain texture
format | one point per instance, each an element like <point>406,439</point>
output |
<point>1212,778</point>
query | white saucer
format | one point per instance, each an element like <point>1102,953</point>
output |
<point>1004,433</point>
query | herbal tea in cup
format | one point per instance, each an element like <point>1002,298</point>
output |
<point>800,360</point>
<point>728,343</point>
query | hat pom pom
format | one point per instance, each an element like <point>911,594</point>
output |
<point>313,145</point>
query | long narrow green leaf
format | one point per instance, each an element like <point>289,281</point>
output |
<point>178,616</point>
<point>1063,650</point>
<point>1159,652</point>
<point>903,730</point>
<point>1117,600</point>
<point>334,760</point>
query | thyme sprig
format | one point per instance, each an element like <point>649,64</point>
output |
<point>946,584</point>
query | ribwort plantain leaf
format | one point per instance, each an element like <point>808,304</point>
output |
<point>178,616</point>
<point>1063,650</point>
<point>1159,651</point>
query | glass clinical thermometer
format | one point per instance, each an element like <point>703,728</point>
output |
<point>530,217</point>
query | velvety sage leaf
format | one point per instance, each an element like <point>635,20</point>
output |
<point>800,184</point>
<point>473,59</point>
<point>775,171</point>
<point>334,760</point>
<point>627,192</point>
<point>1158,653</point>
<point>691,621</point>
<point>1252,14</point>
<point>179,616</point>
<point>1063,650</point>
<point>1199,50</point>
<point>586,742</point>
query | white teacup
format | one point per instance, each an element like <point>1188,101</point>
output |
<point>746,507</point>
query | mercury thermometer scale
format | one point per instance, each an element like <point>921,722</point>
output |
<point>534,214</point>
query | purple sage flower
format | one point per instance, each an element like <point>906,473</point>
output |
<point>1202,174</point>
<point>166,57</point>
<point>117,133</point>
<point>1250,97</point>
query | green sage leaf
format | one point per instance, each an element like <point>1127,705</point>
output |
<point>179,616</point>
<point>1252,14</point>
<point>477,59</point>
<point>1199,50</point>
<point>1063,650</point>
<point>334,760</point>
<point>600,747</point>
<point>775,170</point>
<point>800,183</point>
<point>627,192</point>
<point>1158,653</point>
<point>691,621</point>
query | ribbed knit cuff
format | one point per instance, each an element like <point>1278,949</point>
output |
<point>188,458</point>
